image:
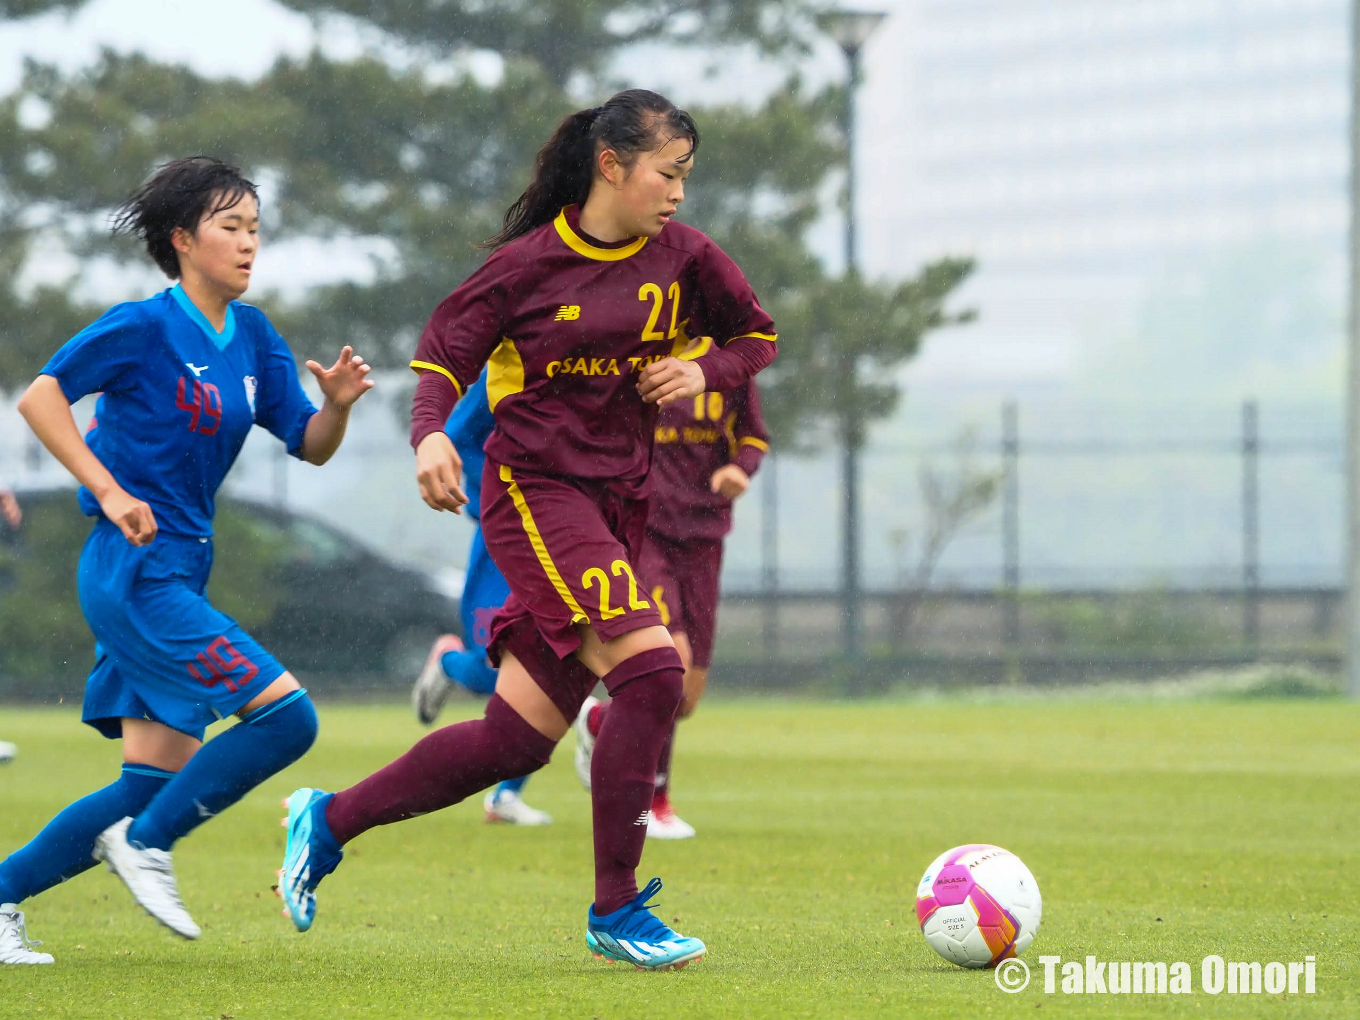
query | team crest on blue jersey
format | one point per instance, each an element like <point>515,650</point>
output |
<point>251,386</point>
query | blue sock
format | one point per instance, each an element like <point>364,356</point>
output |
<point>470,669</point>
<point>62,850</point>
<point>512,785</point>
<point>226,768</point>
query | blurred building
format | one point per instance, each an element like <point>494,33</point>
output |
<point>1076,146</point>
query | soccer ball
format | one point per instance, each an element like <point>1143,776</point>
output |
<point>977,905</point>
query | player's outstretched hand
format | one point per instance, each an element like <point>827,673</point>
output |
<point>730,481</point>
<point>345,381</point>
<point>439,472</point>
<point>133,517</point>
<point>670,379</point>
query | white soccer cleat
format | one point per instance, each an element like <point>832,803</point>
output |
<point>509,807</point>
<point>7,753</point>
<point>15,946</point>
<point>664,823</point>
<point>149,876</point>
<point>432,686</point>
<point>585,741</point>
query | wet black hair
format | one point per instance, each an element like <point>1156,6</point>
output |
<point>179,194</point>
<point>631,123</point>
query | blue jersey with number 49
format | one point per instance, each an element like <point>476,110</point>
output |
<point>178,400</point>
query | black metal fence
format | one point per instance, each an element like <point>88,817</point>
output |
<point>1139,538</point>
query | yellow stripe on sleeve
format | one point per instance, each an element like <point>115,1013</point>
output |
<point>759,444</point>
<point>541,549</point>
<point>427,366</point>
<point>772,337</point>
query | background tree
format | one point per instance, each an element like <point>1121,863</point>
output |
<point>952,498</point>
<point>849,339</point>
<point>406,154</point>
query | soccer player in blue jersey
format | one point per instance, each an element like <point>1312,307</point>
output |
<point>184,376</point>
<point>484,591</point>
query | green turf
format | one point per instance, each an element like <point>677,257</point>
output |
<point>1157,832</point>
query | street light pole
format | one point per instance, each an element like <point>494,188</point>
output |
<point>1353,383</point>
<point>855,67</point>
<point>850,30</point>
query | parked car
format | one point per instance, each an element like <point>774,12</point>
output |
<point>330,609</point>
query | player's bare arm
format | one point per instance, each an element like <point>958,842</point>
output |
<point>342,385</point>
<point>48,414</point>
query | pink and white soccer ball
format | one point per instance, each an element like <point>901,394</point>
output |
<point>978,904</point>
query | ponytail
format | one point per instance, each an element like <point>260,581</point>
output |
<point>630,123</point>
<point>562,174</point>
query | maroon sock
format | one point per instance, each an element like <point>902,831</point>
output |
<point>663,763</point>
<point>646,691</point>
<point>447,766</point>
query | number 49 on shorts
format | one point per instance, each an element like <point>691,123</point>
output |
<point>218,662</point>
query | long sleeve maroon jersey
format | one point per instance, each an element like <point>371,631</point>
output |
<point>693,439</point>
<point>565,323</point>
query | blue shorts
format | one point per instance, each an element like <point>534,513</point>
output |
<point>484,591</point>
<point>163,652</point>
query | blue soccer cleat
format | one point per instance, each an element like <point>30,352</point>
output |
<point>633,934</point>
<point>309,855</point>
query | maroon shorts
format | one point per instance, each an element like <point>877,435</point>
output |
<point>567,549</point>
<point>682,579</point>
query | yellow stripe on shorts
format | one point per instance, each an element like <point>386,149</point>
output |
<point>540,549</point>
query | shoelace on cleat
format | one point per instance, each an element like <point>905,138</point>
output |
<point>641,923</point>
<point>21,930</point>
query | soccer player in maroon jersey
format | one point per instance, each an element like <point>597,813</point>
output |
<point>581,314</point>
<point>707,449</point>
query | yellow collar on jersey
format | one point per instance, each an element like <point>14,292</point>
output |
<point>581,246</point>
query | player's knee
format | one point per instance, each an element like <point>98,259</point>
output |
<point>291,720</point>
<point>653,682</point>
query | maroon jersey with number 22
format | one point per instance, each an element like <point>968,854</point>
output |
<point>565,323</point>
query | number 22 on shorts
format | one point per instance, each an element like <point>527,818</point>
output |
<point>618,568</point>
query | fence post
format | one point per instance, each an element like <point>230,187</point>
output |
<point>769,554</point>
<point>1010,519</point>
<point>851,626</point>
<point>1251,526</point>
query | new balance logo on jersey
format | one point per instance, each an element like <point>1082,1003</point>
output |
<point>643,818</point>
<point>567,313</point>
<point>251,385</point>
<point>198,370</point>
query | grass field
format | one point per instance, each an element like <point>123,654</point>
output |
<point>1157,831</point>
